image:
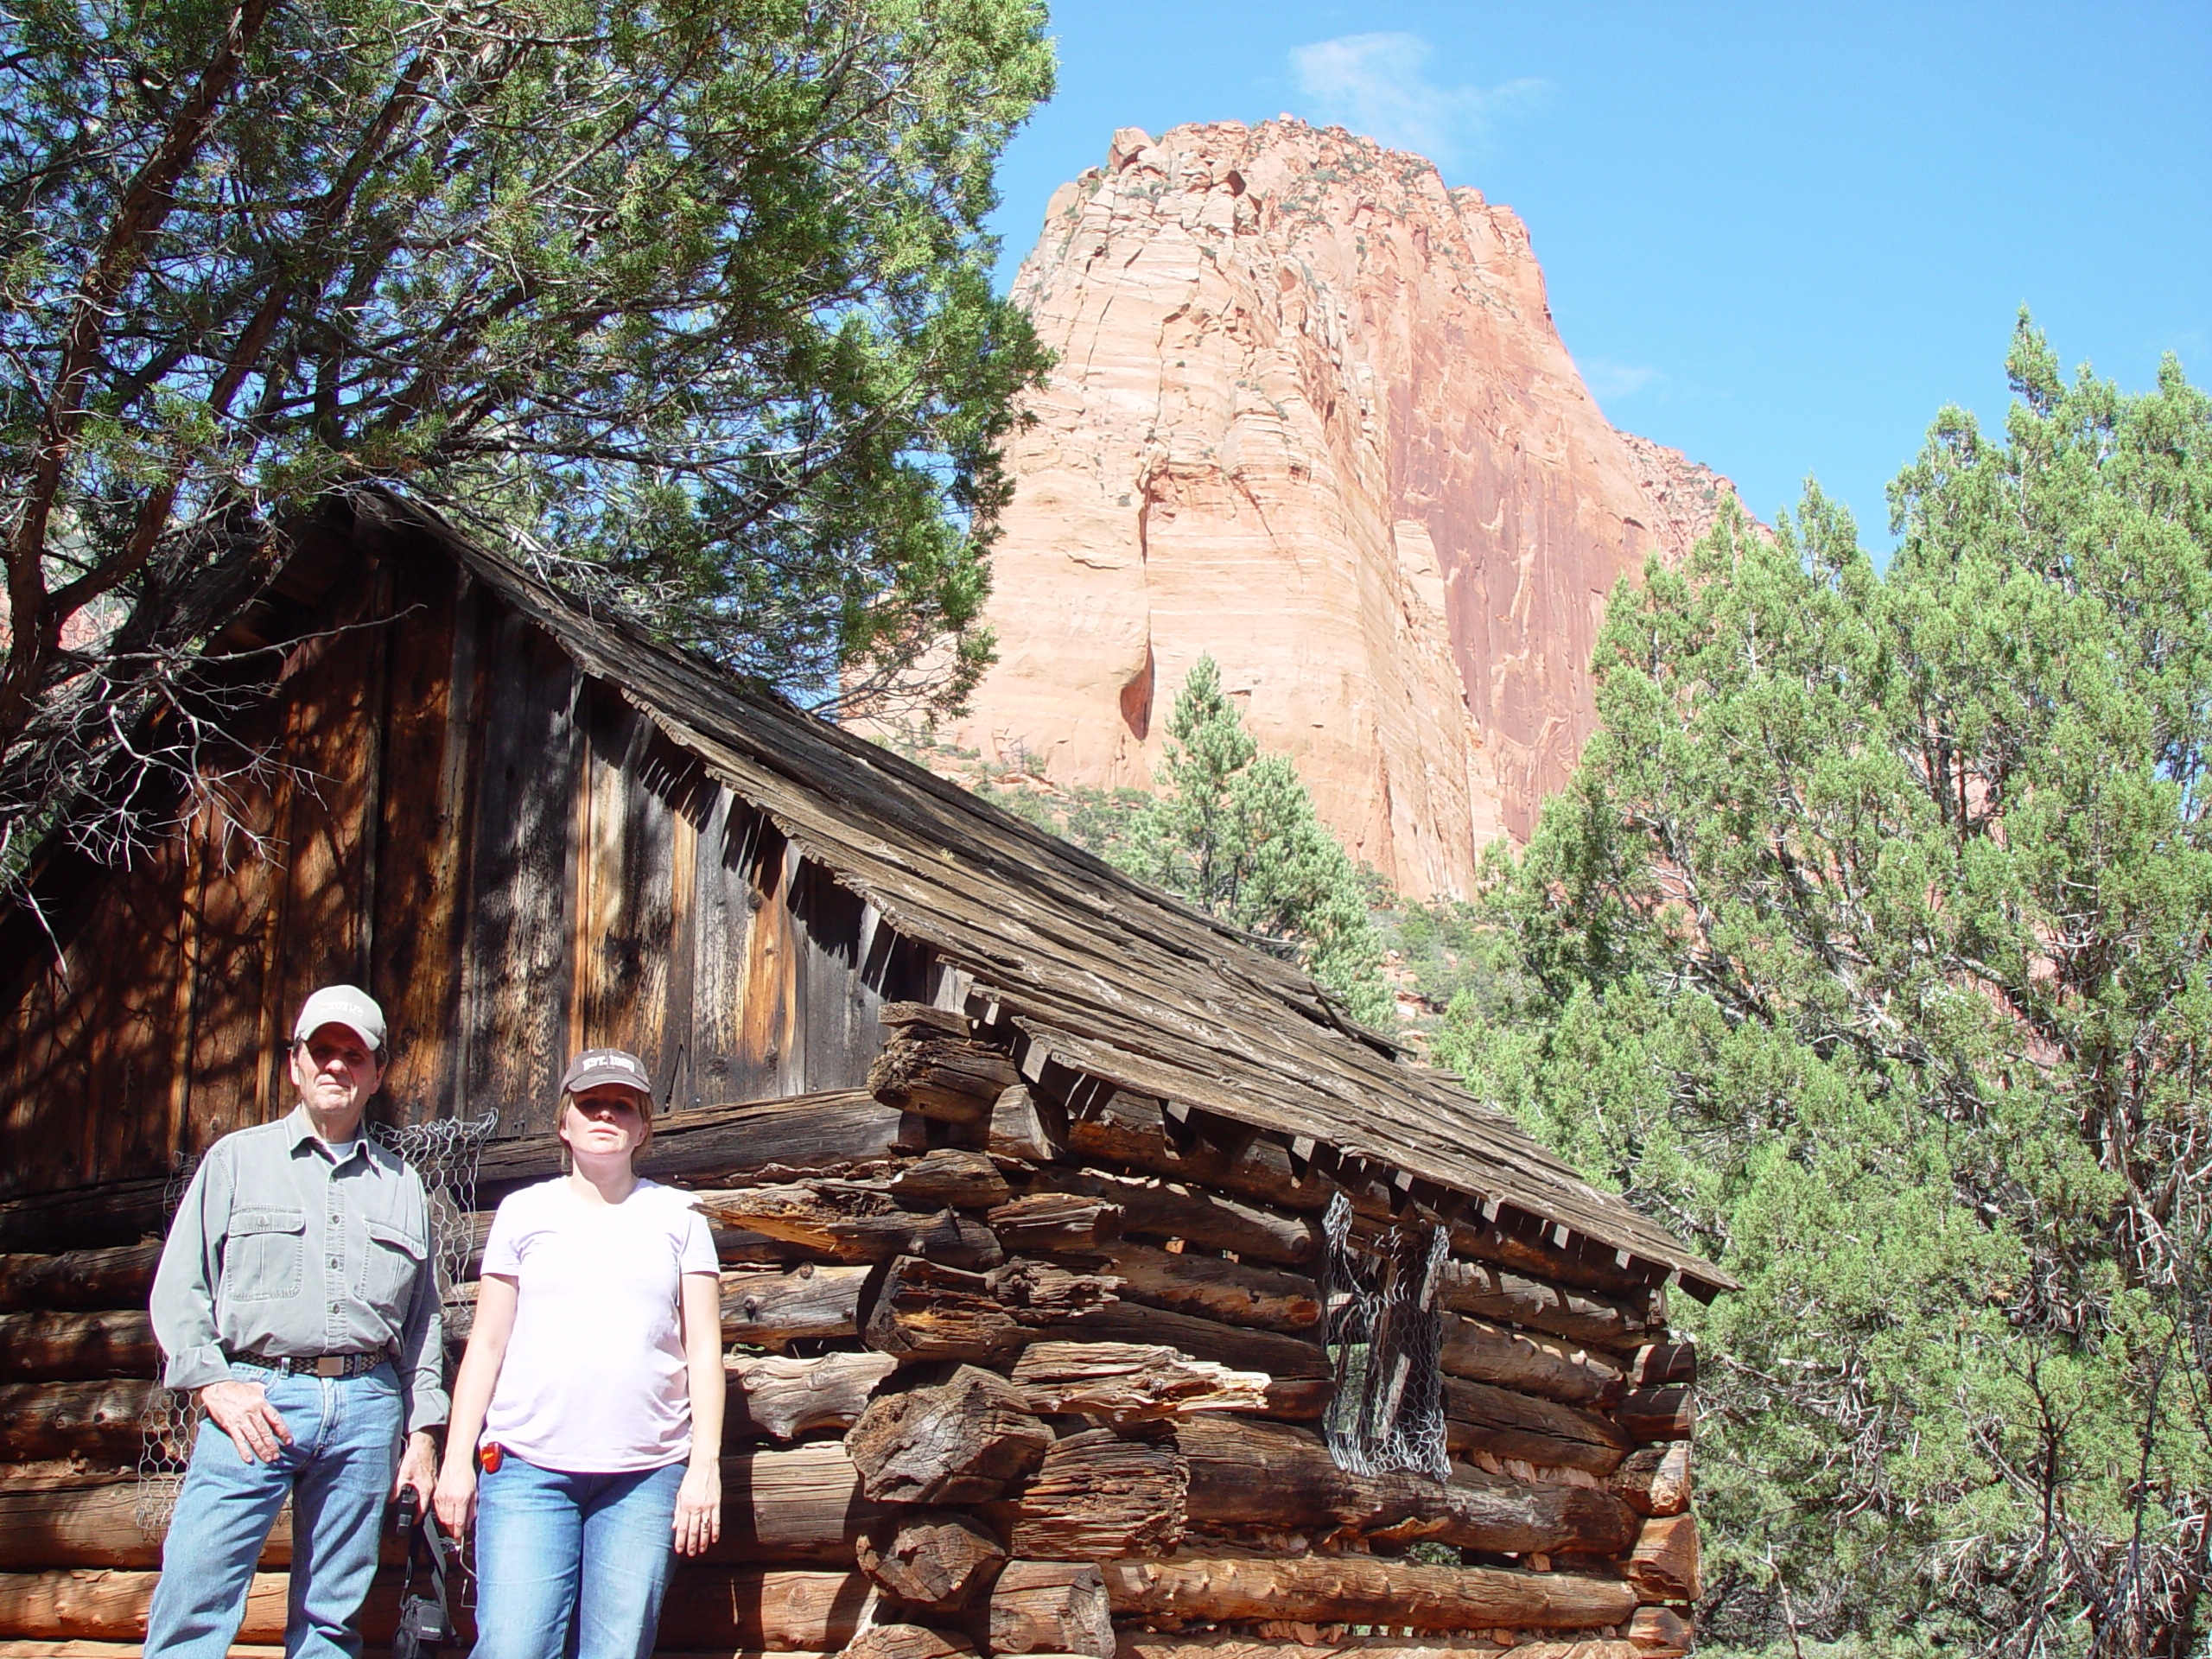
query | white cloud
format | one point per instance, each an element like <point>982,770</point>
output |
<point>1379,85</point>
<point>1609,380</point>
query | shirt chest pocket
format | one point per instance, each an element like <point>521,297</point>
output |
<point>264,1254</point>
<point>389,1266</point>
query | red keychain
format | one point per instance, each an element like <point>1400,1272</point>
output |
<point>490,1456</point>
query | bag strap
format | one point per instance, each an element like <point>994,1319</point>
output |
<point>424,1542</point>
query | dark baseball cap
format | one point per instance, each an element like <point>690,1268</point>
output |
<point>597,1065</point>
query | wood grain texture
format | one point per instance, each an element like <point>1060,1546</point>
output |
<point>1364,1589</point>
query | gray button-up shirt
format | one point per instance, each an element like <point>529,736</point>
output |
<point>282,1250</point>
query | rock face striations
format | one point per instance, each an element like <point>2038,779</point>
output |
<point>1311,416</point>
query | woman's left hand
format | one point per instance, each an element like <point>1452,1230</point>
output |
<point>699,1509</point>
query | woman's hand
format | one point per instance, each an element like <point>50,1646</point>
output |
<point>456,1497</point>
<point>699,1509</point>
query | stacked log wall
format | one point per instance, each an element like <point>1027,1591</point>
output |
<point>1018,1364</point>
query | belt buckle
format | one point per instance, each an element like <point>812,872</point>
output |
<point>330,1365</point>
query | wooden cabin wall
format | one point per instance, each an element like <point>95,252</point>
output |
<point>503,850</point>
<point>1039,1370</point>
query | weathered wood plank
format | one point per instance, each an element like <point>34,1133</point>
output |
<point>853,1221</point>
<point>520,879</point>
<point>1491,1292</point>
<point>937,1558</point>
<point>1663,1564</point>
<point>424,799</point>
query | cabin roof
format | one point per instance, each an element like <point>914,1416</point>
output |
<point>1108,976</point>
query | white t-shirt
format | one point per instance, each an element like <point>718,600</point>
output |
<point>594,1380</point>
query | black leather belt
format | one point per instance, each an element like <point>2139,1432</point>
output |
<point>315,1364</point>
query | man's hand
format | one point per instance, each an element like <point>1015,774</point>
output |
<point>242,1411</point>
<point>418,1467</point>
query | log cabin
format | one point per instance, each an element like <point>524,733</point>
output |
<point>1091,1285</point>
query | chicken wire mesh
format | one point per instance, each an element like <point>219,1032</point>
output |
<point>1385,1340</point>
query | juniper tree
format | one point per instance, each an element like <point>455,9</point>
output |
<point>1869,948</point>
<point>689,304</point>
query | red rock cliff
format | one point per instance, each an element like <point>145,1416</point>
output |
<point>1311,416</point>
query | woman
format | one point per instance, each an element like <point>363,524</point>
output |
<point>594,1376</point>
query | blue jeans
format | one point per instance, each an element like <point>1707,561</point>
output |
<point>339,1469</point>
<point>572,1565</point>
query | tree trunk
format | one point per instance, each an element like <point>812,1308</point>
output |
<point>1667,1414</point>
<point>951,1176</point>
<point>1055,1220</point>
<point>1241,1350</point>
<point>1025,1128</point>
<point>1510,1425</point>
<point>772,1395</point>
<point>924,1311</point>
<point>958,1442</point>
<point>1488,1353</point>
<point>771,1309</point>
<point>849,1221</point>
<point>936,1559</point>
<point>1660,1362</point>
<point>1661,1633</point>
<point>1364,1590</point>
<point>1127,1382</point>
<point>65,1347</point>
<point>1491,1292</point>
<point>1663,1566</point>
<point>1235,1293</point>
<point>1272,1475</point>
<point>1655,1479</point>
<point>119,1277</point>
<point>722,1608</point>
<point>1157,1209</point>
<point>1051,1607</point>
<point>956,1079</point>
<point>95,1421</point>
<point>803,1504</point>
<point>1098,1495</point>
<point>907,1642</point>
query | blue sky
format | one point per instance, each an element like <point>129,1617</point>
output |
<point>1776,238</point>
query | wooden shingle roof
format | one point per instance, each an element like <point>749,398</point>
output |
<point>1118,980</point>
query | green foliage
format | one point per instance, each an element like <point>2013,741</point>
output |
<point>1869,948</point>
<point>1235,832</point>
<point>689,305</point>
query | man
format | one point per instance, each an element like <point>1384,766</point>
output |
<point>296,1299</point>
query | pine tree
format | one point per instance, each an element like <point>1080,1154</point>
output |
<point>1234,831</point>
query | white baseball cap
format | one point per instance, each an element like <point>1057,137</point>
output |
<point>342,1005</point>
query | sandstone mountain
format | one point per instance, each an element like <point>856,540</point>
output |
<point>1311,416</point>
